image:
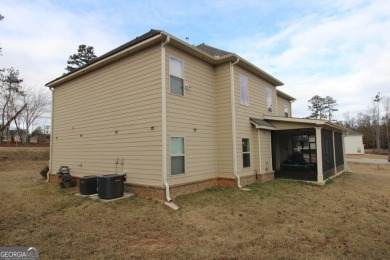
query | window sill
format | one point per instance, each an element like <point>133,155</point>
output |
<point>177,95</point>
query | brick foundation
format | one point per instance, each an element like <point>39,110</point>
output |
<point>158,193</point>
<point>153,192</point>
<point>246,180</point>
<point>266,177</point>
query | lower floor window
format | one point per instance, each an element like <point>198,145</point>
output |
<point>177,155</point>
<point>246,155</point>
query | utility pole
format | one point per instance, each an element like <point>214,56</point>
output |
<point>377,99</point>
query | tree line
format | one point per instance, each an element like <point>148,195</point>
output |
<point>373,123</point>
<point>21,107</point>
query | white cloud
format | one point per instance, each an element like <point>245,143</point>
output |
<point>343,53</point>
<point>38,37</point>
<point>339,48</point>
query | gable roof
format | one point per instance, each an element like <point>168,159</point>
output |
<point>202,51</point>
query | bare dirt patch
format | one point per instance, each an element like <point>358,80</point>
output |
<point>348,218</point>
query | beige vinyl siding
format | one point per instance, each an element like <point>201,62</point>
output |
<point>107,115</point>
<point>195,110</point>
<point>266,152</point>
<point>281,102</point>
<point>224,121</point>
<point>257,108</point>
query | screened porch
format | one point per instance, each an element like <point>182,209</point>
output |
<point>304,149</point>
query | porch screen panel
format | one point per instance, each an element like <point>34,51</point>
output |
<point>338,139</point>
<point>327,154</point>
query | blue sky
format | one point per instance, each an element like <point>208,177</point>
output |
<point>335,48</point>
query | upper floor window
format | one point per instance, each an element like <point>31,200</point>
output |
<point>285,110</point>
<point>176,79</point>
<point>244,90</point>
<point>269,99</point>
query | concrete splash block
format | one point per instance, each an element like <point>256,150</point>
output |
<point>171,205</point>
<point>95,196</point>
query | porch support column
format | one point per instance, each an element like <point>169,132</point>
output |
<point>344,156</point>
<point>334,153</point>
<point>270,148</point>
<point>320,175</point>
<point>259,140</point>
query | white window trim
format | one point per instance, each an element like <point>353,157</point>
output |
<point>170,157</point>
<point>250,150</point>
<point>169,76</point>
<point>247,89</point>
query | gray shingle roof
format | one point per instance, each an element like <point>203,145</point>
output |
<point>212,51</point>
<point>261,122</point>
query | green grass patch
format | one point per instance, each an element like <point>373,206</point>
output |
<point>277,188</point>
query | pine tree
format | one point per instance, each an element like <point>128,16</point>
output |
<point>329,106</point>
<point>322,108</point>
<point>84,55</point>
<point>316,107</point>
<point>10,91</point>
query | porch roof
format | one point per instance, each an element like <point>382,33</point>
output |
<point>261,124</point>
<point>286,123</point>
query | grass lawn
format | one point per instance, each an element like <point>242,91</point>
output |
<point>348,218</point>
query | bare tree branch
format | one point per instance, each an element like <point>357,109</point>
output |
<point>38,104</point>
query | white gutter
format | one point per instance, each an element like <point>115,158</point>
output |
<point>233,104</point>
<point>51,137</point>
<point>164,119</point>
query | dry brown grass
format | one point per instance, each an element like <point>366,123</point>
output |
<point>348,218</point>
<point>368,156</point>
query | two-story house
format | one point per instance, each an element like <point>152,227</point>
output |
<point>178,118</point>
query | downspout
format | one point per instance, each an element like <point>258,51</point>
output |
<point>233,103</point>
<point>164,119</point>
<point>51,137</point>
